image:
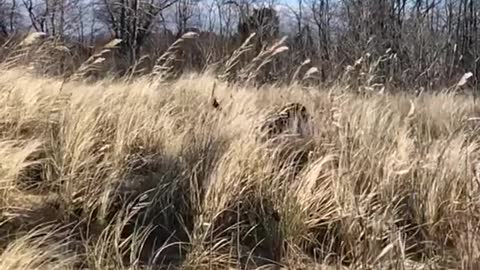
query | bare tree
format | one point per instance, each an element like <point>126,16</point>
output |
<point>184,12</point>
<point>407,43</point>
<point>132,21</point>
<point>10,17</point>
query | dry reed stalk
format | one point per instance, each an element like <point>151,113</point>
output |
<point>94,64</point>
<point>299,69</point>
<point>138,68</point>
<point>42,55</point>
<point>252,72</point>
<point>56,59</point>
<point>311,75</point>
<point>213,99</point>
<point>461,84</point>
<point>232,65</point>
<point>21,52</point>
<point>166,66</point>
<point>365,75</point>
<point>32,38</point>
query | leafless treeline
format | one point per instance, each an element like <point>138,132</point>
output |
<point>405,43</point>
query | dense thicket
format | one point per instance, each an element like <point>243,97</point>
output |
<point>424,44</point>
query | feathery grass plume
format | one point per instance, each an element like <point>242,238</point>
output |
<point>461,83</point>
<point>54,59</point>
<point>93,66</point>
<point>464,79</point>
<point>233,64</point>
<point>168,65</point>
<point>31,38</point>
<point>138,68</point>
<point>296,75</point>
<point>255,72</point>
<point>366,76</point>
<point>21,53</point>
<point>310,74</point>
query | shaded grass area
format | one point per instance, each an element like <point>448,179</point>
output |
<point>117,175</point>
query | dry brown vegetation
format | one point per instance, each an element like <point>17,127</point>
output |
<point>144,173</point>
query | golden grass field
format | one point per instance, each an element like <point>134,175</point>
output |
<point>133,175</point>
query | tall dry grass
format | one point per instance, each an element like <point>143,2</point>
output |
<point>115,175</point>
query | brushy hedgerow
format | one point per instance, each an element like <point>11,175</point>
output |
<point>115,175</point>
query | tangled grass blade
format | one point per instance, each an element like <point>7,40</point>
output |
<point>272,166</point>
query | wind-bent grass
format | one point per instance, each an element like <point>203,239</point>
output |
<point>140,175</point>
